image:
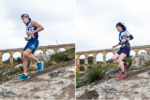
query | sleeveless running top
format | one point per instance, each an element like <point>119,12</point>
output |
<point>124,35</point>
<point>30,28</point>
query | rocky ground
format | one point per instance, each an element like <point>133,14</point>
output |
<point>136,86</point>
<point>54,82</point>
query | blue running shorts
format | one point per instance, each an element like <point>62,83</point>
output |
<point>125,50</point>
<point>32,44</point>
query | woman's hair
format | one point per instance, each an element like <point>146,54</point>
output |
<point>121,25</point>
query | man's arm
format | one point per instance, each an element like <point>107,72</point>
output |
<point>40,27</point>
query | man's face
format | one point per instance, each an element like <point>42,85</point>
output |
<point>25,19</point>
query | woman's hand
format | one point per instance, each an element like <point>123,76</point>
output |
<point>26,38</point>
<point>123,41</point>
<point>113,46</point>
<point>29,33</point>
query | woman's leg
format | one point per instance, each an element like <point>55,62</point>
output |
<point>115,57</point>
<point>121,63</point>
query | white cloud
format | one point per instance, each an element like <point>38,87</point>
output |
<point>56,16</point>
<point>96,20</point>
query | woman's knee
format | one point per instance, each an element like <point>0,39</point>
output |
<point>114,58</point>
<point>118,61</point>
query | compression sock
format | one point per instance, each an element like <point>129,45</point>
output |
<point>25,74</point>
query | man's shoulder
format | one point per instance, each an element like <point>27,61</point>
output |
<point>33,22</point>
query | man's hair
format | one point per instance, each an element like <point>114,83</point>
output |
<point>25,15</point>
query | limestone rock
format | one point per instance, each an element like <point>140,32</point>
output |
<point>140,60</point>
<point>18,66</point>
<point>43,57</point>
<point>54,62</point>
<point>33,65</point>
<point>45,86</point>
<point>134,88</point>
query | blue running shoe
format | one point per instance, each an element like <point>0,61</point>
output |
<point>40,66</point>
<point>23,77</point>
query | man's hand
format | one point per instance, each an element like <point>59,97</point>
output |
<point>123,41</point>
<point>35,24</point>
<point>29,33</point>
<point>26,38</point>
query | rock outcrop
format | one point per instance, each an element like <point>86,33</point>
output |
<point>41,57</point>
<point>140,60</point>
<point>58,84</point>
<point>18,66</point>
<point>136,86</point>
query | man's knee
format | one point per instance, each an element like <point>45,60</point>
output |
<point>26,54</point>
<point>24,58</point>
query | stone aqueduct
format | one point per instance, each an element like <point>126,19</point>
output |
<point>136,49</point>
<point>42,48</point>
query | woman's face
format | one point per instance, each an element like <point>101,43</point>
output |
<point>119,28</point>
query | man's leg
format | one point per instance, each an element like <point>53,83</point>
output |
<point>25,63</point>
<point>28,54</point>
<point>25,68</point>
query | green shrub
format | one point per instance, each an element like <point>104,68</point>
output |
<point>21,68</point>
<point>3,67</point>
<point>80,81</point>
<point>46,64</point>
<point>128,60</point>
<point>78,75</point>
<point>64,55</point>
<point>96,73</point>
<point>59,57</point>
<point>28,62</point>
<point>147,63</point>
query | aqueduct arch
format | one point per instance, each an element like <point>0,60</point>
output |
<point>136,49</point>
<point>42,48</point>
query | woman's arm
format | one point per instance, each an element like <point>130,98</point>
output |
<point>116,45</point>
<point>130,37</point>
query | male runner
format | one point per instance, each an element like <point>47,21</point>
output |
<point>32,29</point>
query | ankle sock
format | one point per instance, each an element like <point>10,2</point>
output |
<point>25,74</point>
<point>38,62</point>
<point>123,72</point>
<point>124,63</point>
